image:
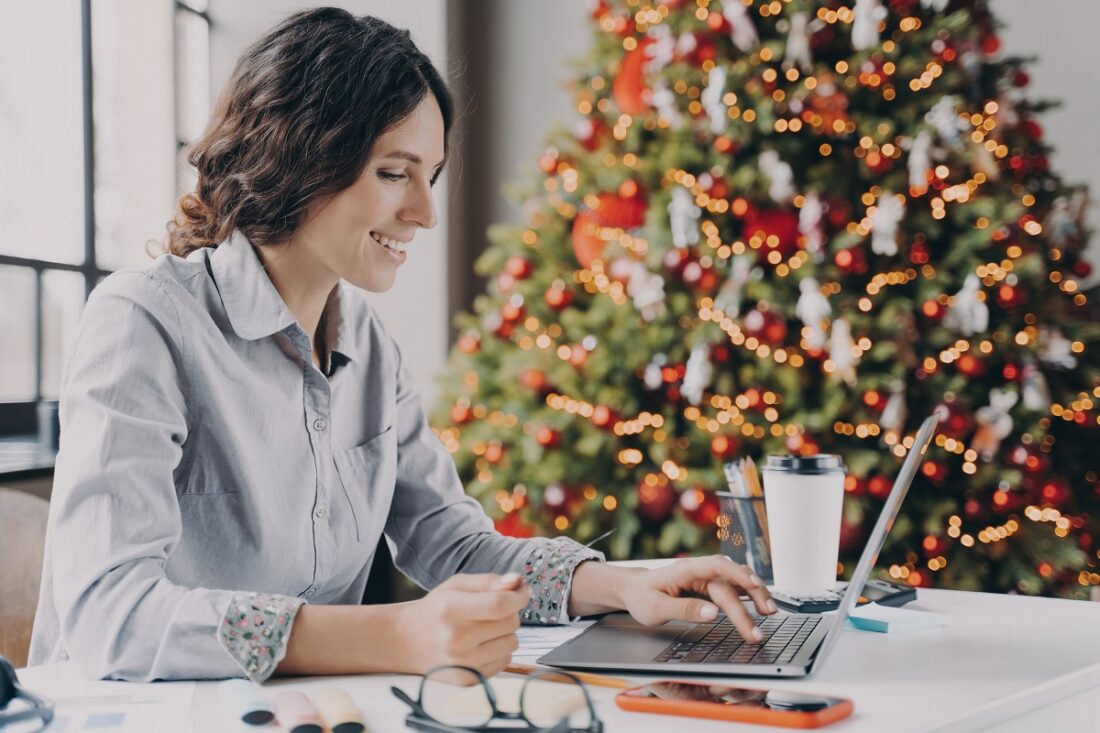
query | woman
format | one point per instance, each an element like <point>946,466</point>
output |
<point>239,431</point>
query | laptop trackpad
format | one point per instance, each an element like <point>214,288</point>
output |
<point>617,639</point>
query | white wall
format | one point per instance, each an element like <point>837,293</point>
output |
<point>415,310</point>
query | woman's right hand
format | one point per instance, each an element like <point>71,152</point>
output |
<point>468,620</point>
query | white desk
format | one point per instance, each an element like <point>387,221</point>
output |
<point>1019,663</point>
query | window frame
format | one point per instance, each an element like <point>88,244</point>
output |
<point>20,418</point>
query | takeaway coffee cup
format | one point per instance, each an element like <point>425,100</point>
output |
<point>804,498</point>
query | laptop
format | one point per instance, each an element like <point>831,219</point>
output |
<point>793,645</point>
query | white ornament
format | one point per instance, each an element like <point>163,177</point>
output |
<point>652,376</point>
<point>814,310</point>
<point>896,411</point>
<point>936,6</point>
<point>920,161</point>
<point>1055,349</point>
<point>647,290</point>
<point>662,50</point>
<point>884,224</point>
<point>1006,116</point>
<point>1036,392</point>
<point>868,13</point>
<point>729,295</point>
<point>742,30</point>
<point>684,214</point>
<point>841,351</point>
<point>1060,224</point>
<point>780,176</point>
<point>968,314</point>
<point>994,422</point>
<point>809,225</point>
<point>798,43</point>
<point>697,374</point>
<point>711,99</point>
<point>945,120</point>
<point>663,100</point>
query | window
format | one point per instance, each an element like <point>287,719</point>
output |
<point>97,101</point>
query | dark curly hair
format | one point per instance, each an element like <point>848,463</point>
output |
<point>298,121</point>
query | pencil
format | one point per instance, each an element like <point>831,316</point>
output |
<point>597,680</point>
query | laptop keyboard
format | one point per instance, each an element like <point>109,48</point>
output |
<point>720,642</point>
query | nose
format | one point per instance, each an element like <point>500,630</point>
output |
<point>420,206</point>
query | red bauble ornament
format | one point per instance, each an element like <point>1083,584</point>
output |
<point>469,343</point>
<point>1082,269</point>
<point>700,506</point>
<point>1011,296</point>
<point>724,447</point>
<point>875,400</point>
<point>933,309</point>
<point>955,420</point>
<point>589,131</point>
<point>628,88</point>
<point>495,323</point>
<point>494,451</point>
<point>558,499</point>
<point>603,416</point>
<point>559,298</point>
<point>776,228</point>
<point>1029,459</point>
<point>511,525</point>
<point>991,44</point>
<point>851,534</point>
<point>919,253</point>
<point>1021,78</point>
<point>852,260</point>
<point>972,508</point>
<point>854,485</point>
<point>655,498</point>
<point>513,311</point>
<point>461,414</point>
<point>934,471</point>
<point>533,379</point>
<point>970,365</point>
<point>1055,491</point>
<point>611,211</point>
<point>519,267</point>
<point>547,437</point>
<point>933,545</point>
<point>765,326</point>
<point>1033,129</point>
<point>879,487</point>
<point>877,162</point>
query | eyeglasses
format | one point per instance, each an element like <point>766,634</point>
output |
<point>10,690</point>
<point>456,699</point>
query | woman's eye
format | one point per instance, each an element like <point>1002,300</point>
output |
<point>387,176</point>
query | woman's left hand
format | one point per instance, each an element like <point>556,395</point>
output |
<point>671,593</point>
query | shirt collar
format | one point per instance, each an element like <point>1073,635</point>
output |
<point>252,303</point>
<point>254,307</point>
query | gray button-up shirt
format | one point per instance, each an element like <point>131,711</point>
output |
<point>203,454</point>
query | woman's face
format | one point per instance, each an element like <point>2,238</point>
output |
<point>360,234</point>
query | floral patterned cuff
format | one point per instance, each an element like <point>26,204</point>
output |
<point>549,572</point>
<point>255,631</point>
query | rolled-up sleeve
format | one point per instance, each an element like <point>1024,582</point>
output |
<point>436,530</point>
<point>115,517</point>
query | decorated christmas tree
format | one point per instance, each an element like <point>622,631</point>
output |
<point>793,227</point>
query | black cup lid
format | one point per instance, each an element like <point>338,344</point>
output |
<point>807,465</point>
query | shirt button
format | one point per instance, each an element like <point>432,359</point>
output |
<point>319,424</point>
<point>308,593</point>
<point>319,512</point>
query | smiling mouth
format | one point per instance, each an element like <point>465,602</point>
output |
<point>391,244</point>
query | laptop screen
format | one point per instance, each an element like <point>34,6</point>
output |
<point>878,535</point>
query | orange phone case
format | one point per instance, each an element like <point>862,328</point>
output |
<point>744,714</point>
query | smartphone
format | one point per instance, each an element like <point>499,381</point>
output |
<point>785,708</point>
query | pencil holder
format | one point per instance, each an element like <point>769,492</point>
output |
<point>743,532</point>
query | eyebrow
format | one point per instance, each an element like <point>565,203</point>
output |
<point>411,157</point>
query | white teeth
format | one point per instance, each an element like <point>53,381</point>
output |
<point>390,244</point>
